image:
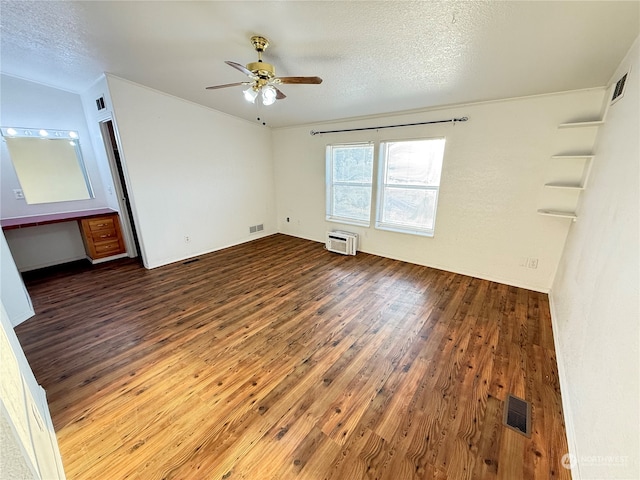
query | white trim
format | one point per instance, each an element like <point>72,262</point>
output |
<point>108,76</point>
<point>564,391</point>
<point>461,271</point>
<point>52,263</point>
<point>168,261</point>
<point>393,227</point>
<point>107,259</point>
<point>446,106</point>
<point>22,317</point>
<point>347,221</point>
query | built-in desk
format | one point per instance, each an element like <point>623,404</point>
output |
<point>100,228</point>
<point>35,220</point>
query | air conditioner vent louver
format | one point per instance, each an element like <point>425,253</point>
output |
<point>345,243</point>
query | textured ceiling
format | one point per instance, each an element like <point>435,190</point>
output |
<point>374,57</point>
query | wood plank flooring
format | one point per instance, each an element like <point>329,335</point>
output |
<point>279,360</point>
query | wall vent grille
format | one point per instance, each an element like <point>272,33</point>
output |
<point>100,103</point>
<point>256,228</point>
<point>618,91</point>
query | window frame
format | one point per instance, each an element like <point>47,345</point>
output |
<point>330,183</point>
<point>382,185</point>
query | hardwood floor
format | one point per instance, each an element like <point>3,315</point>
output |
<point>279,360</point>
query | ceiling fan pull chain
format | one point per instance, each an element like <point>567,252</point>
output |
<point>258,117</point>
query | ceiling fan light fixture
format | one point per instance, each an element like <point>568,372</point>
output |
<point>269,95</point>
<point>250,94</point>
<point>263,77</point>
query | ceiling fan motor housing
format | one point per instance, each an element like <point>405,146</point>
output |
<point>262,69</point>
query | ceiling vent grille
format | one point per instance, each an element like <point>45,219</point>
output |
<point>618,91</point>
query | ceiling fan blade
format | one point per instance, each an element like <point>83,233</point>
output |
<point>228,85</point>
<point>301,80</point>
<point>237,66</point>
<point>279,94</point>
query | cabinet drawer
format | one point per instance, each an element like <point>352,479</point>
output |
<point>104,235</point>
<point>104,223</point>
<point>108,248</point>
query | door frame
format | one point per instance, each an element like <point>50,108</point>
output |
<point>123,190</point>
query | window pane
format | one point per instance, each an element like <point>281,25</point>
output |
<point>349,177</point>
<point>352,202</point>
<point>409,207</point>
<point>414,163</point>
<point>353,163</point>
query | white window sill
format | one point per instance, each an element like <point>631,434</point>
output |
<point>392,228</point>
<point>347,221</point>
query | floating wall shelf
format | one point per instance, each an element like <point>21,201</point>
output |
<point>572,157</point>
<point>556,213</point>
<point>592,123</point>
<point>570,175</point>
<point>570,186</point>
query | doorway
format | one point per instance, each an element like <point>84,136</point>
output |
<point>117,172</point>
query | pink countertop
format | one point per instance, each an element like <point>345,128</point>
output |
<point>33,220</point>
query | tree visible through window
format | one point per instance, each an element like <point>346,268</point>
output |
<point>349,183</point>
<point>409,182</point>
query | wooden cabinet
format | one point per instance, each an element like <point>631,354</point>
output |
<point>102,236</point>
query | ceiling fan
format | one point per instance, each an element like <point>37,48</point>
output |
<point>263,77</point>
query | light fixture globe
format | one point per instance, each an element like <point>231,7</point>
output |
<point>250,94</point>
<point>269,95</point>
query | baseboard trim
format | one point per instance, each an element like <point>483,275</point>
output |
<point>564,391</point>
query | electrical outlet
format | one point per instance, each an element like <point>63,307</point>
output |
<point>533,263</point>
<point>187,239</point>
<point>18,193</point>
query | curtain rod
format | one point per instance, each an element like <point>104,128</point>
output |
<point>451,120</point>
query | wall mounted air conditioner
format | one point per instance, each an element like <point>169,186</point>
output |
<point>345,243</point>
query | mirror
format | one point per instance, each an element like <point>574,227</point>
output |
<point>48,164</point>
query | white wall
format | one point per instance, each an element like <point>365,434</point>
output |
<point>113,187</point>
<point>28,442</point>
<point>14,294</point>
<point>494,169</point>
<point>595,299</point>
<point>31,450</point>
<point>193,172</point>
<point>94,117</point>
<point>28,104</point>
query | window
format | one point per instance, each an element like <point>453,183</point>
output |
<point>409,181</point>
<point>349,183</point>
